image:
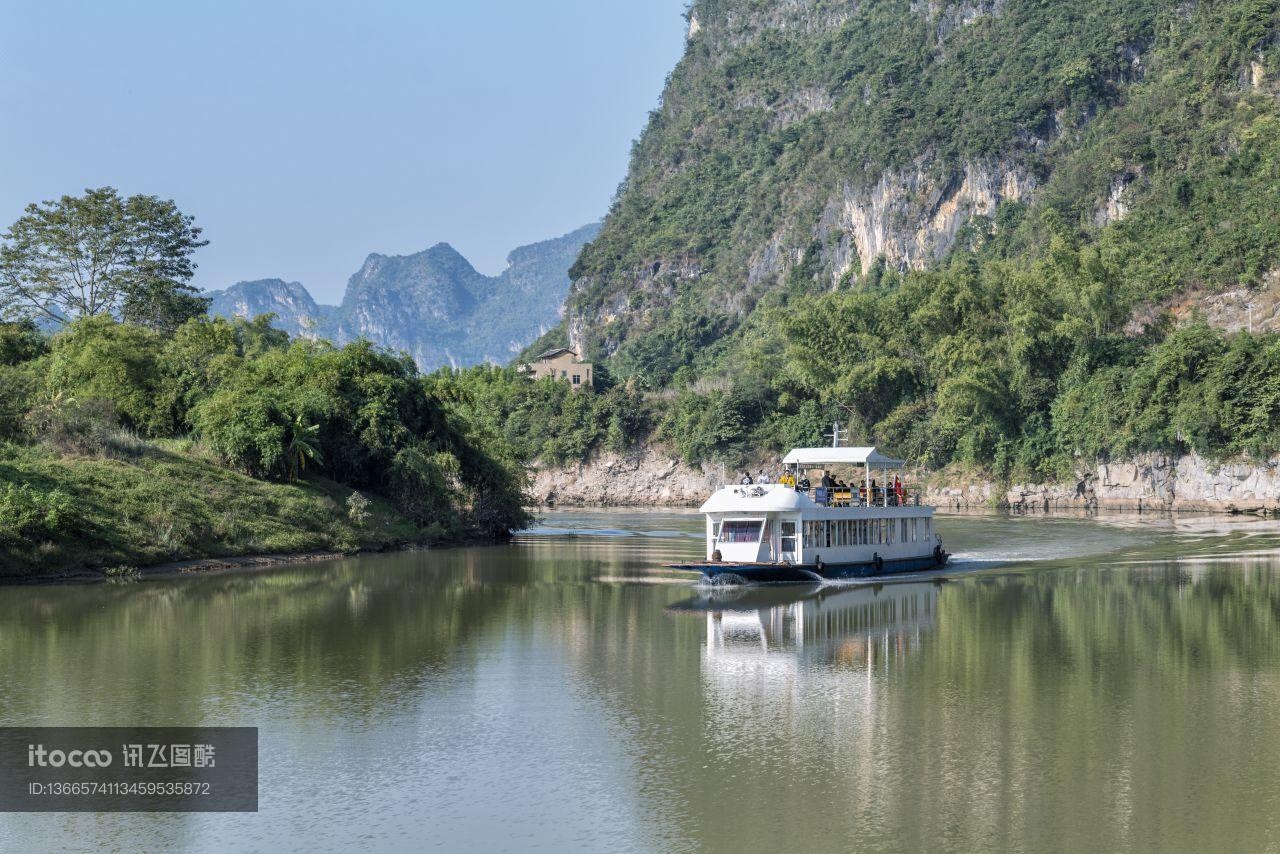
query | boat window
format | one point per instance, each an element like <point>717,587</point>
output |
<point>819,534</point>
<point>740,532</point>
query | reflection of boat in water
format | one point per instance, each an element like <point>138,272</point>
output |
<point>797,657</point>
<point>834,623</point>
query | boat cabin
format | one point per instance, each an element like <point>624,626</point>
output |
<point>869,525</point>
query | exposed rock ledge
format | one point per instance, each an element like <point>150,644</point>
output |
<point>652,477</point>
<point>643,478</point>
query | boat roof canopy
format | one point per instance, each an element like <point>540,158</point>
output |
<point>763,498</point>
<point>837,456</point>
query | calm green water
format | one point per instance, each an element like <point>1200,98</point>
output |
<point>1075,685</point>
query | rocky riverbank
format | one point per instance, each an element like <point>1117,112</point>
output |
<point>647,477</point>
<point>653,477</point>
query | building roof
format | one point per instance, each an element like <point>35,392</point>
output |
<point>840,456</point>
<point>551,354</point>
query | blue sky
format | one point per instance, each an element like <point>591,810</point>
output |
<point>304,136</point>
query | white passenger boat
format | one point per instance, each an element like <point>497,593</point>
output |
<point>796,531</point>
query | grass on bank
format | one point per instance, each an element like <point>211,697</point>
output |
<point>162,501</point>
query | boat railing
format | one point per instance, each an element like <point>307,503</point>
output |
<point>838,496</point>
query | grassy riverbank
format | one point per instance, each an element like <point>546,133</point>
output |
<point>164,501</point>
<point>125,446</point>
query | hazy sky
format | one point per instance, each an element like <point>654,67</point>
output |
<point>305,135</point>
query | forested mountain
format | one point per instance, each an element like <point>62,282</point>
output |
<point>981,229</point>
<point>433,304</point>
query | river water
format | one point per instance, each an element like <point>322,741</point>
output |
<point>1070,684</point>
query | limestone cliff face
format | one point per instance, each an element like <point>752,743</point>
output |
<point>393,299</point>
<point>1146,482</point>
<point>647,477</point>
<point>911,219</point>
<point>725,27</point>
<point>1234,310</point>
<point>295,310</point>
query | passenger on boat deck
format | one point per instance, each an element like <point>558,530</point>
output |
<point>787,479</point>
<point>763,477</point>
<point>826,482</point>
<point>746,479</point>
<point>898,489</point>
<point>804,484</point>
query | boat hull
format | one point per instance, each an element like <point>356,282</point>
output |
<point>808,573</point>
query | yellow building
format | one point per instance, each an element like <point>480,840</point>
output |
<point>562,364</point>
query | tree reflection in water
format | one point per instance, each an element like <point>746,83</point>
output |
<point>1125,699</point>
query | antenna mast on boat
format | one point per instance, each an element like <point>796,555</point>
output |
<point>836,434</point>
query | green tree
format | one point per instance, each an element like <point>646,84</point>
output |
<point>96,358</point>
<point>83,256</point>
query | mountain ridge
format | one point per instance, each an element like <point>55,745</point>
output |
<point>432,304</point>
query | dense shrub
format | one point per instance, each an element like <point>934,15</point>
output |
<point>31,514</point>
<point>266,407</point>
<point>19,385</point>
<point>545,420</point>
<point>246,428</point>
<point>21,342</point>
<point>87,427</point>
<point>99,358</point>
